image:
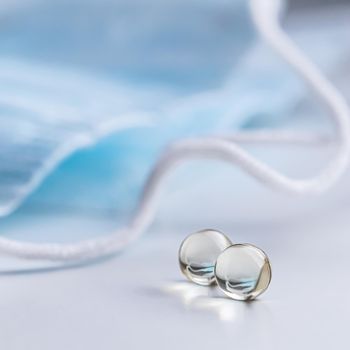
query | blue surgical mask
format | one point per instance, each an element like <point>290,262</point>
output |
<point>91,95</point>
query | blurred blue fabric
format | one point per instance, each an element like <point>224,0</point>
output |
<point>127,78</point>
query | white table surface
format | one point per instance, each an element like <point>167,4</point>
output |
<point>139,299</point>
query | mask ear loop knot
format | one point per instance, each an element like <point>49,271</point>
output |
<point>265,17</point>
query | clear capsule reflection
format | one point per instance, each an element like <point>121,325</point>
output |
<point>198,254</point>
<point>243,271</point>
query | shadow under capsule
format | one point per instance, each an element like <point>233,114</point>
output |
<point>208,299</point>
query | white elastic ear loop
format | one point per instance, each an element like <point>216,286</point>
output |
<point>265,17</point>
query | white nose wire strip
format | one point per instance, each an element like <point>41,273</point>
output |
<point>265,17</point>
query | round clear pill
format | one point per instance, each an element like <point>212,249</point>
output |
<point>243,271</point>
<point>198,254</point>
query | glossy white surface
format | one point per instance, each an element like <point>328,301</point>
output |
<point>141,300</point>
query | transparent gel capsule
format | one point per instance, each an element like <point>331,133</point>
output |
<point>198,254</point>
<point>243,271</point>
